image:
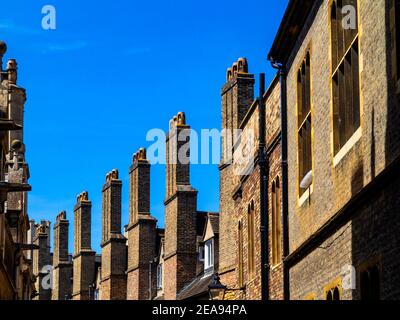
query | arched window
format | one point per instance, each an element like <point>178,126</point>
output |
<point>304,119</point>
<point>276,222</point>
<point>240,237</point>
<point>250,226</point>
<point>333,293</point>
<point>370,283</point>
<point>345,71</point>
<point>336,294</point>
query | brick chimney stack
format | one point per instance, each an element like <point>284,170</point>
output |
<point>180,210</point>
<point>237,96</point>
<point>62,266</point>
<point>141,231</point>
<point>113,246</point>
<point>84,256</point>
<point>139,187</point>
<point>41,260</point>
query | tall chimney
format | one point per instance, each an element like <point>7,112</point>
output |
<point>113,245</point>
<point>141,232</point>
<point>84,256</point>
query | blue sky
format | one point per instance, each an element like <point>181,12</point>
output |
<point>112,71</point>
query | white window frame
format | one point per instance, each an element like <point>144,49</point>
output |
<point>209,254</point>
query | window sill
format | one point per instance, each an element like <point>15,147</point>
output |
<point>306,195</point>
<point>347,147</point>
<point>209,270</point>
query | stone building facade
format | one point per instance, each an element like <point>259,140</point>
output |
<point>16,272</point>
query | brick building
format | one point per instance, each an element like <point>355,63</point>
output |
<point>309,214</point>
<point>250,199</point>
<point>339,61</point>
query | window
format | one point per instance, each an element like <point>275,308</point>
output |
<point>209,254</point>
<point>345,76</point>
<point>240,236</point>
<point>395,37</point>
<point>333,294</point>
<point>160,276</point>
<point>276,223</point>
<point>201,253</point>
<point>250,243</point>
<point>333,291</point>
<point>304,119</point>
<point>370,283</point>
<point>96,294</point>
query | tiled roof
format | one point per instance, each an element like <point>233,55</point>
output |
<point>198,287</point>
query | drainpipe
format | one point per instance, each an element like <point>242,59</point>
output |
<point>264,175</point>
<point>284,167</point>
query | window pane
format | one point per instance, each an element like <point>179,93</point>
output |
<point>336,294</point>
<point>345,77</point>
<point>397,35</point>
<point>304,125</point>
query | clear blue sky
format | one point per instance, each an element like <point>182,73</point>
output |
<point>111,71</point>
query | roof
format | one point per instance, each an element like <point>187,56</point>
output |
<point>201,222</point>
<point>214,221</point>
<point>198,287</point>
<point>292,23</point>
<point>201,219</point>
<point>160,234</point>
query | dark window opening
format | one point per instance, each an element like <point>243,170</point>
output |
<point>370,284</point>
